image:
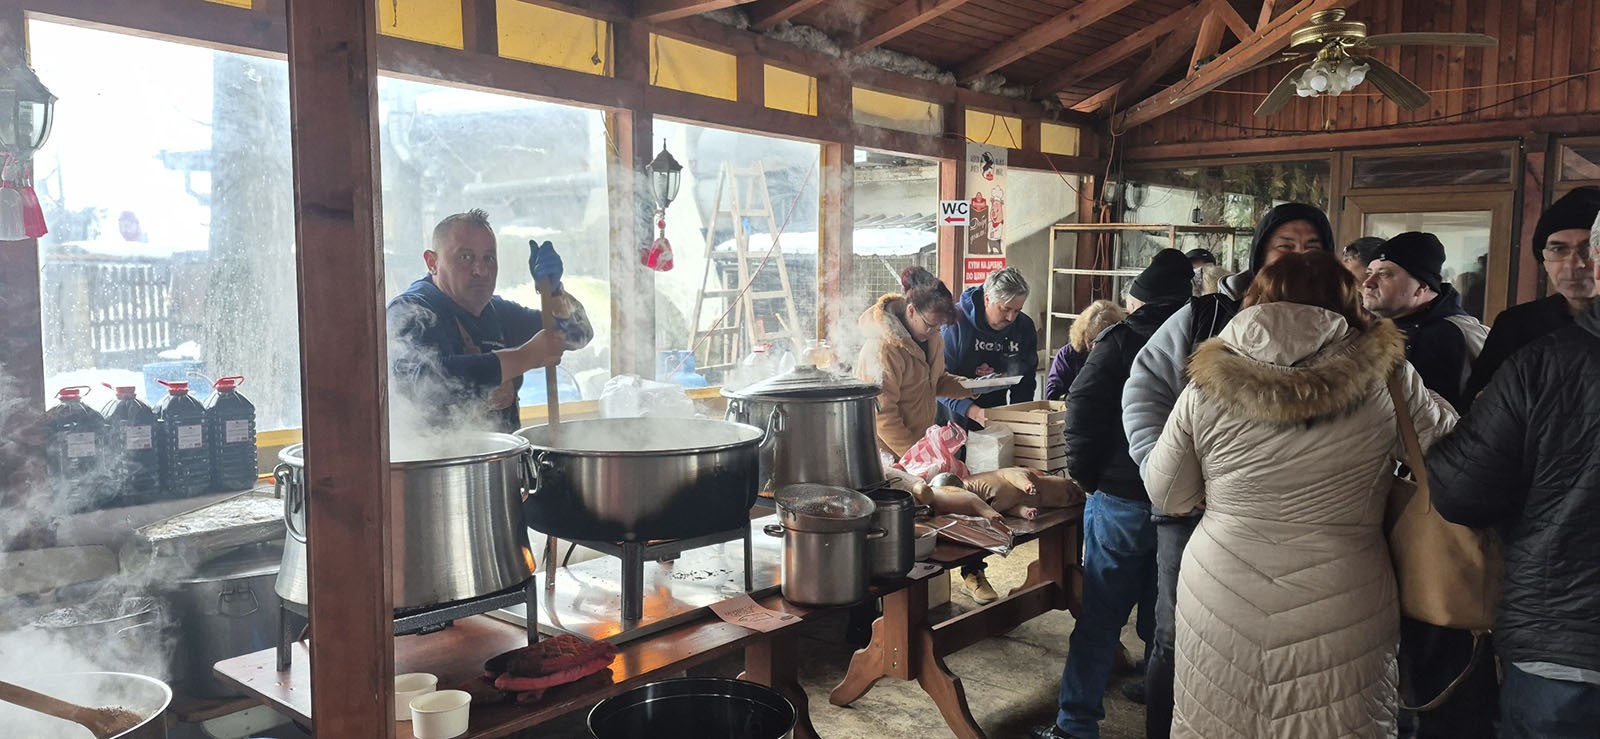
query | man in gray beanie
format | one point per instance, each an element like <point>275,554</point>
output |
<point>1561,244</point>
<point>1403,283</point>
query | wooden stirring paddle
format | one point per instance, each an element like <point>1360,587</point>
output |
<point>104,723</point>
<point>552,406</point>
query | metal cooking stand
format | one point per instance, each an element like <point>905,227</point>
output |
<point>634,554</point>
<point>428,619</point>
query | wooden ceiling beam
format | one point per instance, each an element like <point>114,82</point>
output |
<point>661,11</point>
<point>1096,101</point>
<point>1233,62</point>
<point>1166,55</point>
<point>1104,59</point>
<point>900,19</point>
<point>767,14</point>
<point>1266,14</point>
<point>1230,16</point>
<point>1081,16</point>
<point>1209,40</point>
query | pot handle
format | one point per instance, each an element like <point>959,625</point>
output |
<point>922,511</point>
<point>775,529</point>
<point>533,468</point>
<point>876,533</point>
<point>287,486</point>
<point>227,598</point>
<point>737,411</point>
<point>775,425</point>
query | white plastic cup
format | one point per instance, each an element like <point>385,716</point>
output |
<point>440,715</point>
<point>408,686</point>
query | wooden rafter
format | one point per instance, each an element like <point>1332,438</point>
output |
<point>1209,40</point>
<point>1232,63</point>
<point>1266,14</point>
<point>1104,59</point>
<point>660,11</point>
<point>1230,17</point>
<point>1081,16</point>
<point>767,14</point>
<point>1166,55</point>
<point>900,19</point>
<point>1098,100</point>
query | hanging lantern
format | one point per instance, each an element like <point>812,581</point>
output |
<point>665,176</point>
<point>26,112</point>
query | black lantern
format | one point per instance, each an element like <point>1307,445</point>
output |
<point>26,110</point>
<point>665,172</point>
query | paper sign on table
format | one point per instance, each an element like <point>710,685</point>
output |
<point>741,610</point>
<point>924,570</point>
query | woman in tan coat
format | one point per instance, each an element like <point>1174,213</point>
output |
<point>1286,613</point>
<point>904,354</point>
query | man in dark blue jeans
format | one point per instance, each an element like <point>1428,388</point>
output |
<point>1119,539</point>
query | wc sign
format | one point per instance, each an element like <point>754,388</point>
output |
<point>953,212</point>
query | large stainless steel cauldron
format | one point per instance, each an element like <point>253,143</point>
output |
<point>827,430</point>
<point>632,479</point>
<point>456,527</point>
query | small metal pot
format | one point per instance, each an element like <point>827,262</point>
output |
<point>825,534</point>
<point>710,707</point>
<point>827,432</point>
<point>227,608</point>
<point>895,512</point>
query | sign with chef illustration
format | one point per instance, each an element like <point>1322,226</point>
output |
<point>986,212</point>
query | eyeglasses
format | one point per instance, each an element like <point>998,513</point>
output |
<point>1566,252</point>
<point>925,325</point>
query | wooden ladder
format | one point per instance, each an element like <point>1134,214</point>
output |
<point>746,326</point>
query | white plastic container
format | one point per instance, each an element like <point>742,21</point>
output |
<point>441,714</point>
<point>409,686</point>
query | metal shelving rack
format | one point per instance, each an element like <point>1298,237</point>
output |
<point>1057,312</point>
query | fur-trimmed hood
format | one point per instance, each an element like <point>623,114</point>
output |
<point>1287,363</point>
<point>886,320</point>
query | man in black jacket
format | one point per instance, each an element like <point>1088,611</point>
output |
<point>1403,283</point>
<point>1561,244</point>
<point>1119,560</point>
<point>1525,462</point>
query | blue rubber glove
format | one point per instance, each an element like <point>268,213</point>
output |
<point>544,263</point>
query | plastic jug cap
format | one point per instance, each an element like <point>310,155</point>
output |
<point>224,384</point>
<point>123,391</point>
<point>176,388</point>
<point>72,393</point>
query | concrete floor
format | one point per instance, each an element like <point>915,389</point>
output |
<point>1010,681</point>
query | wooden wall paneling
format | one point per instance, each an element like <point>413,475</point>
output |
<point>1506,55</point>
<point>333,59</point>
<point>1437,67</point>
<point>1543,55</point>
<point>1577,55</point>
<point>1456,99</point>
<point>1477,61</point>
<point>1526,29</point>
<point>1561,50</point>
<point>1593,93</point>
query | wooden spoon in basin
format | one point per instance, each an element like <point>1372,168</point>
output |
<point>104,723</point>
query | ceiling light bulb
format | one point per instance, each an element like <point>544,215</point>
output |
<point>1304,91</point>
<point>1318,82</point>
<point>1358,74</point>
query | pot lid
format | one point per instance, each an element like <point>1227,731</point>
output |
<point>245,562</point>
<point>813,501</point>
<point>807,381</point>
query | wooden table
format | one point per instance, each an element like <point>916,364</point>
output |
<point>906,646</point>
<point>457,654</point>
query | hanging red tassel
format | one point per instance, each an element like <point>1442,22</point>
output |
<point>658,256</point>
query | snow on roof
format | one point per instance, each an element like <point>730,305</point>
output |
<point>867,242</point>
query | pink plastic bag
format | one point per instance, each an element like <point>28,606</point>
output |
<point>935,452</point>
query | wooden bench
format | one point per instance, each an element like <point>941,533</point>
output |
<point>905,645</point>
<point>456,654</point>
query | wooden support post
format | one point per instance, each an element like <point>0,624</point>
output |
<point>339,260</point>
<point>21,350</point>
<point>837,211</point>
<point>953,186</point>
<point>633,331</point>
<point>1210,40</point>
<point>1527,274</point>
<point>480,27</point>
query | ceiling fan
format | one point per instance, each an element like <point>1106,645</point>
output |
<point>1339,63</point>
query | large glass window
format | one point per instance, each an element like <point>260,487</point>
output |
<point>744,239</point>
<point>167,188</point>
<point>895,199</point>
<point>538,169</point>
<point>1233,195</point>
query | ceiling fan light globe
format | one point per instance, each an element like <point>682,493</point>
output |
<point>1304,92</point>
<point>1318,82</point>
<point>1358,74</point>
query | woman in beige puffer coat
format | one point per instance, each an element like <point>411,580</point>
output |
<point>1287,617</point>
<point>904,355</point>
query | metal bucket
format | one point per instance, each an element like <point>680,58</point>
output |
<point>703,707</point>
<point>145,696</point>
<point>456,526</point>
<point>633,479</point>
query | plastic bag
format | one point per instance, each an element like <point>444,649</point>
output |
<point>629,396</point>
<point>990,448</point>
<point>935,452</point>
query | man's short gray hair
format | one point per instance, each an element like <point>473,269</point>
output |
<point>1594,234</point>
<point>1005,285</point>
<point>475,217</point>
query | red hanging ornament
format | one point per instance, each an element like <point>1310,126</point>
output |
<point>658,255</point>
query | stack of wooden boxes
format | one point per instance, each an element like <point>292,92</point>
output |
<point>1039,431</point>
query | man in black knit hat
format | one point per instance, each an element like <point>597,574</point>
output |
<point>1403,283</point>
<point>1561,244</point>
<point>1119,541</point>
